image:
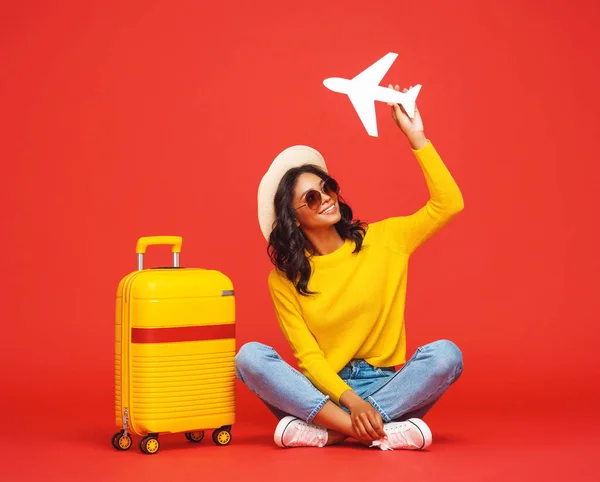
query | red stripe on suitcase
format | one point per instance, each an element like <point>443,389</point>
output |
<point>183,333</point>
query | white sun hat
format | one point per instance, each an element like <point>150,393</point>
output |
<point>291,157</point>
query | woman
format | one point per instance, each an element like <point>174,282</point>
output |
<point>338,289</point>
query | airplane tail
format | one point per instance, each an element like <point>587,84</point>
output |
<point>408,100</point>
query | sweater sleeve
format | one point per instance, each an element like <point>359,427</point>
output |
<point>310,357</point>
<point>410,232</point>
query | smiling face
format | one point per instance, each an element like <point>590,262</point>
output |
<point>326,213</point>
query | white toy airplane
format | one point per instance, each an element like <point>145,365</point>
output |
<point>364,89</point>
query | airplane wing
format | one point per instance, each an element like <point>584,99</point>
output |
<point>376,72</point>
<point>365,108</point>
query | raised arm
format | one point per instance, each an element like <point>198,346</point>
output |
<point>445,198</point>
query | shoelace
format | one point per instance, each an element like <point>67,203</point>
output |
<point>383,444</point>
<point>307,433</point>
<point>395,437</point>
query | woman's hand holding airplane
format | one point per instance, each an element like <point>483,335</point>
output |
<point>412,128</point>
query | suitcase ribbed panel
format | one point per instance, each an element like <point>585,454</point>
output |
<point>189,387</point>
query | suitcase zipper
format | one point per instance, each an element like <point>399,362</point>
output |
<point>125,420</point>
<point>125,350</point>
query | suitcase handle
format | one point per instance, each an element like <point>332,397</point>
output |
<point>146,241</point>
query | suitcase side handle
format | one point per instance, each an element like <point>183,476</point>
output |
<point>143,243</point>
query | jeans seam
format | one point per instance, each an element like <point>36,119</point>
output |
<point>448,382</point>
<point>316,410</point>
<point>302,377</point>
<point>384,415</point>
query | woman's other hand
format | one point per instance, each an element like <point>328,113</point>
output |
<point>366,421</point>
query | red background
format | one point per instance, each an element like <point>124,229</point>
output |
<point>126,119</point>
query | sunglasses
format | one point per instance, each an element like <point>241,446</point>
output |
<point>313,197</point>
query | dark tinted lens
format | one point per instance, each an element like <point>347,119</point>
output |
<point>331,187</point>
<point>313,199</point>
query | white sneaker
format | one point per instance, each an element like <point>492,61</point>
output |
<point>412,434</point>
<point>293,432</point>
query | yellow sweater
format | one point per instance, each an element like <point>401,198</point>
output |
<point>359,311</point>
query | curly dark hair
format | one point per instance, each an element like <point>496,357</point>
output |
<point>287,242</point>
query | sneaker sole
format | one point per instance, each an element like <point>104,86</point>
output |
<point>425,432</point>
<point>280,430</point>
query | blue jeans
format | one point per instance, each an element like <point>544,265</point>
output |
<point>396,395</point>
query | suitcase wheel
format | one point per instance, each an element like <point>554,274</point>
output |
<point>149,444</point>
<point>120,441</point>
<point>221,436</point>
<point>195,436</point>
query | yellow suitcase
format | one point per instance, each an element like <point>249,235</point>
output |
<point>174,352</point>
